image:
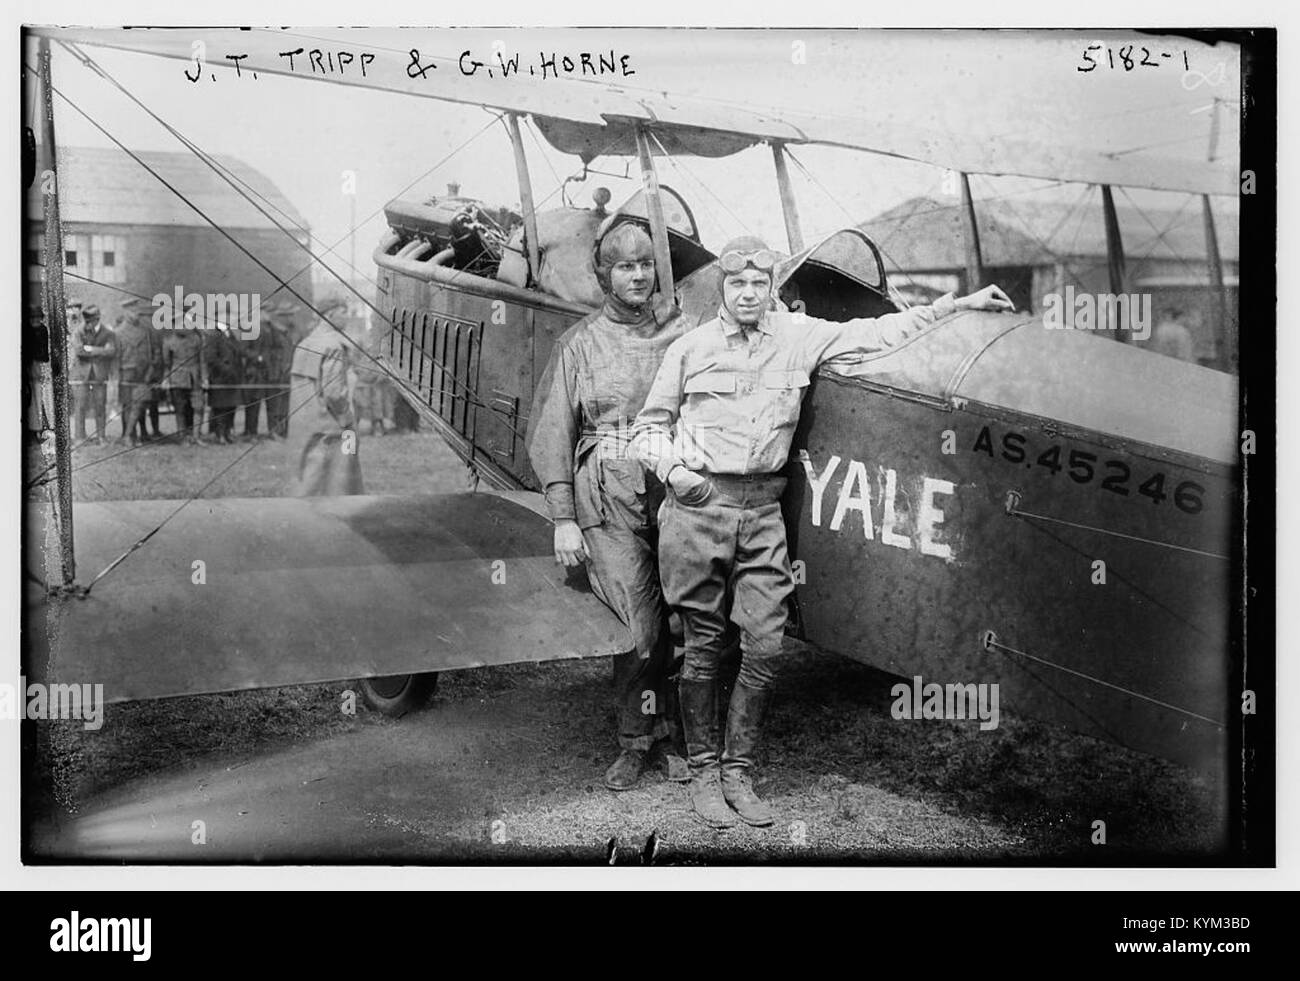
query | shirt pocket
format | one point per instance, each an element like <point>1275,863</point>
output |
<point>784,390</point>
<point>710,400</point>
<point>707,384</point>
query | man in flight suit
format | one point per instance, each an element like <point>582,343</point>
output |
<point>602,502</point>
<point>732,388</point>
<point>324,455</point>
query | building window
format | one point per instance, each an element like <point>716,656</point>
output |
<point>76,255</point>
<point>107,258</point>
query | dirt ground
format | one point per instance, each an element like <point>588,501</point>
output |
<point>505,765</point>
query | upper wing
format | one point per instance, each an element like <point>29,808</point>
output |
<point>592,119</point>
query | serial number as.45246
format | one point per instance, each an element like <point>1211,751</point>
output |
<point>1084,468</point>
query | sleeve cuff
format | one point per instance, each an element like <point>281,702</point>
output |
<point>943,306</point>
<point>559,501</point>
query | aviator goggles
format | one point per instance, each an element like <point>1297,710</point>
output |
<point>764,260</point>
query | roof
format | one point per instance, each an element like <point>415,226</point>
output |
<point>926,234</point>
<point>105,186</point>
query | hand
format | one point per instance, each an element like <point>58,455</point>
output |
<point>569,548</point>
<point>689,486</point>
<point>989,298</point>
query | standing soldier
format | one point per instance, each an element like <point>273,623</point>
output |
<point>155,394</point>
<point>255,373</point>
<point>324,455</point>
<point>733,388</point>
<point>94,350</point>
<point>603,505</point>
<point>139,352</point>
<point>183,375</point>
<point>222,356</point>
<point>279,344</point>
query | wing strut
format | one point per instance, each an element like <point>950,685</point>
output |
<point>788,207</point>
<point>56,319</point>
<point>655,211</point>
<point>971,235</point>
<point>1114,256</point>
<point>1218,301</point>
<point>525,199</point>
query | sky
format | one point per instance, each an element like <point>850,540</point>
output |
<point>308,136</point>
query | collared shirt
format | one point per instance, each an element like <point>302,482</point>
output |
<point>733,393</point>
<point>594,385</point>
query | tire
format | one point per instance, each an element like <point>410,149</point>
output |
<point>397,694</point>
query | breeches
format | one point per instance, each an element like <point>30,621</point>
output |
<point>726,559</point>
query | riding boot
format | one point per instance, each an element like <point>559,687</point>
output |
<point>673,745</point>
<point>699,701</point>
<point>744,718</point>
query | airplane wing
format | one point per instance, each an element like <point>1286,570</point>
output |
<point>591,119</point>
<point>305,590</point>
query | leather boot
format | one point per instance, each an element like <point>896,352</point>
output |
<point>673,746</point>
<point>625,771</point>
<point>744,718</point>
<point>699,701</point>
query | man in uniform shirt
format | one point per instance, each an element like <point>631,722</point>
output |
<point>733,388</point>
<point>602,502</point>
<point>94,350</point>
<point>139,352</point>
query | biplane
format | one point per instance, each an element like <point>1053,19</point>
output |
<point>951,504</point>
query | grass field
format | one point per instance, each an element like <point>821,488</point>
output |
<point>876,789</point>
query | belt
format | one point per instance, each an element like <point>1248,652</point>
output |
<point>743,478</point>
<point>751,487</point>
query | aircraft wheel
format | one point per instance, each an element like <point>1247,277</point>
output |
<point>398,694</point>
